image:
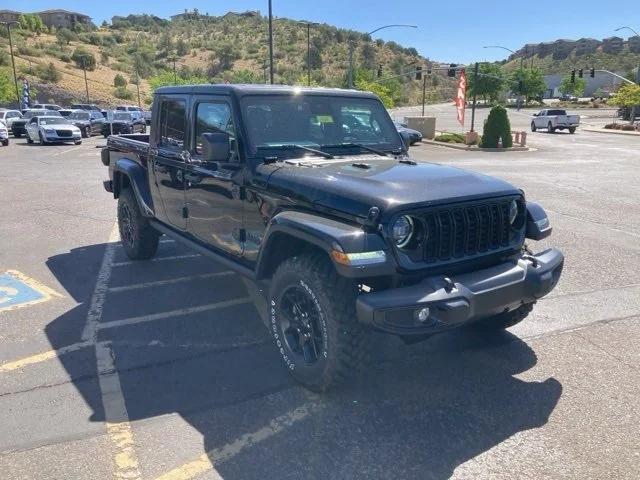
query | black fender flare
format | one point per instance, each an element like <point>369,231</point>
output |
<point>538,225</point>
<point>138,180</point>
<point>328,235</point>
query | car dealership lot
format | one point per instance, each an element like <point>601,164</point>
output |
<point>164,369</point>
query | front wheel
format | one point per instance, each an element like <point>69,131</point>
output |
<point>29,141</point>
<point>139,239</point>
<point>78,142</point>
<point>533,127</point>
<point>18,135</point>
<point>572,130</point>
<point>313,322</point>
<point>42,140</point>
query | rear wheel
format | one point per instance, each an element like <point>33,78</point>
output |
<point>505,320</point>
<point>533,127</point>
<point>139,239</point>
<point>313,322</point>
<point>550,128</point>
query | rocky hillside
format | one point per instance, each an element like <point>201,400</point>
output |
<point>561,56</point>
<point>230,48</point>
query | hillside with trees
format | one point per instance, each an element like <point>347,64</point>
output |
<point>143,49</point>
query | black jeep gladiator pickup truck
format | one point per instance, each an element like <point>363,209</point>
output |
<point>311,193</point>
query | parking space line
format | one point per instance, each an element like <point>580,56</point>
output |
<point>66,151</point>
<point>158,283</point>
<point>42,357</point>
<point>159,259</point>
<point>115,414</point>
<point>203,464</point>
<point>163,240</point>
<point>174,313</point>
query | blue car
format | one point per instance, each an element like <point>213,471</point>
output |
<point>414,135</point>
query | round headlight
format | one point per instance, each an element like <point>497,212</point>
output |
<point>401,230</point>
<point>513,212</point>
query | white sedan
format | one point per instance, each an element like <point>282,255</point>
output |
<point>52,129</point>
<point>4,134</point>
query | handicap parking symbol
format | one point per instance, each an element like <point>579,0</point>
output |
<point>17,290</point>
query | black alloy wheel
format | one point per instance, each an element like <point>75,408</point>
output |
<point>300,324</point>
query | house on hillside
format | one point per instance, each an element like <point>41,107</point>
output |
<point>9,16</point>
<point>64,18</point>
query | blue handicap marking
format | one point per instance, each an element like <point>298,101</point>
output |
<point>18,290</point>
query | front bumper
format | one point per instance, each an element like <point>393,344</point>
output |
<point>54,137</point>
<point>469,297</point>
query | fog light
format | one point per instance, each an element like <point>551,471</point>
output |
<point>423,315</point>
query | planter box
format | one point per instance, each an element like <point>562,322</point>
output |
<point>425,125</point>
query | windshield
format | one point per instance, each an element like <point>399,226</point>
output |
<point>121,116</point>
<point>40,113</point>
<point>79,116</point>
<point>317,121</point>
<point>556,112</point>
<point>52,121</point>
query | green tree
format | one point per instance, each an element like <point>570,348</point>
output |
<point>496,127</point>
<point>119,80</point>
<point>528,82</point>
<point>628,96</point>
<point>84,59</point>
<point>66,36</point>
<point>576,87</point>
<point>48,73</point>
<point>7,88</point>
<point>490,83</point>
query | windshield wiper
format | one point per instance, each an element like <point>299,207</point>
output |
<point>358,145</point>
<point>294,146</point>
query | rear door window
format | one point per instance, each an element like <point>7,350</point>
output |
<point>173,124</point>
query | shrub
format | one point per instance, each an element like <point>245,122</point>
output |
<point>450,138</point>
<point>119,80</point>
<point>84,59</point>
<point>497,126</point>
<point>610,126</point>
<point>122,93</point>
<point>48,73</point>
<point>629,128</point>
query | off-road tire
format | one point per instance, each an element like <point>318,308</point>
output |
<point>139,239</point>
<point>344,350</point>
<point>505,320</point>
<point>550,128</point>
<point>533,127</point>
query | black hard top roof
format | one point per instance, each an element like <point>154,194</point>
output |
<point>240,90</point>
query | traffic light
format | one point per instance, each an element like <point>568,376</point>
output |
<point>580,73</point>
<point>452,70</point>
<point>418,73</point>
<point>592,73</point>
<point>573,76</point>
<point>379,70</point>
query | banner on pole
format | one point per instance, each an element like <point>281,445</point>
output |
<point>461,96</point>
<point>25,93</point>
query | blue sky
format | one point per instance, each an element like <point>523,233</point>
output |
<point>447,30</point>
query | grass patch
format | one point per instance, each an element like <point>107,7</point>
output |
<point>450,138</point>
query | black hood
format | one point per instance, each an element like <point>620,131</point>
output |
<point>386,183</point>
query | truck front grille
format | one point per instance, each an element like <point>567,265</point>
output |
<point>468,230</point>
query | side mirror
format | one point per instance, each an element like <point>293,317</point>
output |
<point>406,139</point>
<point>215,147</point>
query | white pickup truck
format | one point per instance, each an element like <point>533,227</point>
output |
<point>554,120</point>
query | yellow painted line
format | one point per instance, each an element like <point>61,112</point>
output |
<point>125,458</point>
<point>204,464</point>
<point>46,292</point>
<point>41,357</point>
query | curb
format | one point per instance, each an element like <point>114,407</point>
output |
<point>471,148</point>
<point>612,132</point>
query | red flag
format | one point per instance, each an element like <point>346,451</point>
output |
<point>461,97</point>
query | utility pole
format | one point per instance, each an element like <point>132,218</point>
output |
<point>270,43</point>
<point>308,54</point>
<point>138,88</point>
<point>424,92</point>
<point>13,62</point>
<point>476,70</point>
<point>86,83</point>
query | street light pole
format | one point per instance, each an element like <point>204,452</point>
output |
<point>13,62</point>
<point>270,43</point>
<point>351,47</point>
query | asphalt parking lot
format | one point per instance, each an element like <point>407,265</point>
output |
<point>164,369</point>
